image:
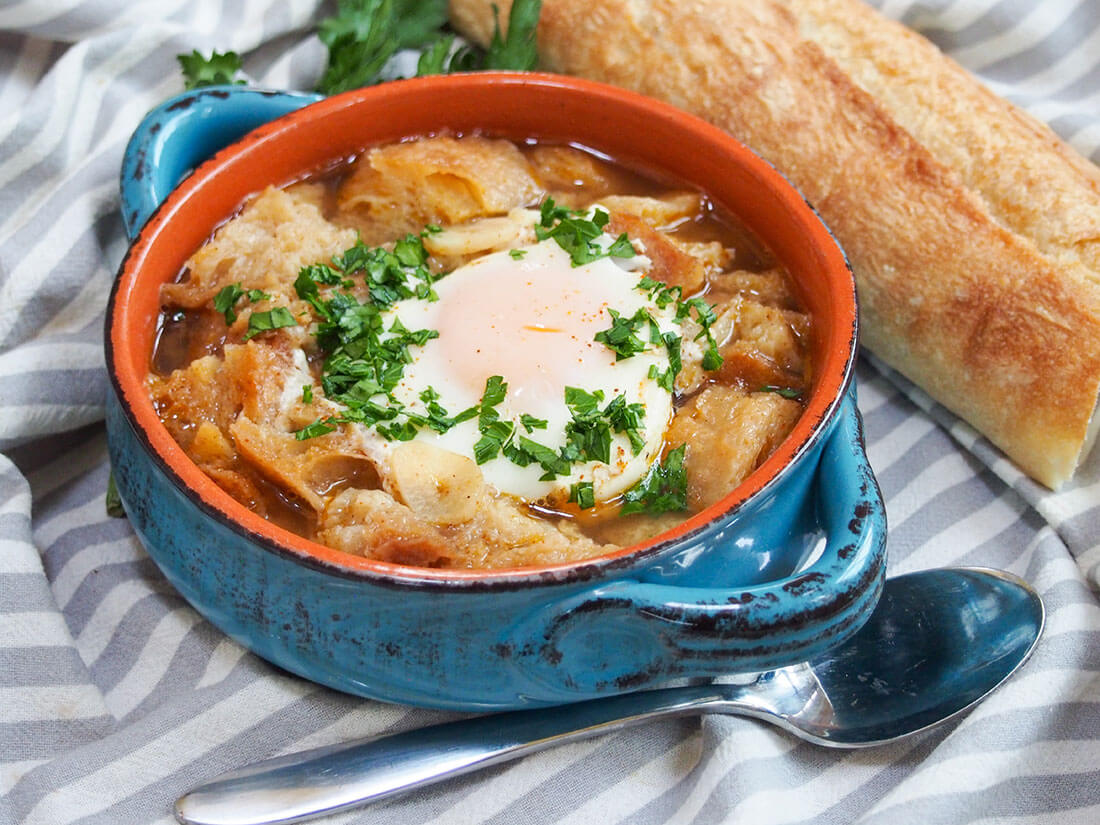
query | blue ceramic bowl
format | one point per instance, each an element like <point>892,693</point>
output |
<point>789,564</point>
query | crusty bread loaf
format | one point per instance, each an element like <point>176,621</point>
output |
<point>974,232</point>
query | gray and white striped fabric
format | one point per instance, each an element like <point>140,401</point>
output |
<point>115,696</point>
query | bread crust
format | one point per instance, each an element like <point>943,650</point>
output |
<point>974,233</point>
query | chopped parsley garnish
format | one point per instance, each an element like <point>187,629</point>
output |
<point>663,295</point>
<point>113,501</point>
<point>226,300</point>
<point>662,490</point>
<point>494,432</point>
<point>583,494</point>
<point>576,232</point>
<point>390,276</point>
<point>365,351</point>
<point>792,393</point>
<point>622,336</point>
<point>626,418</point>
<point>219,69</point>
<point>530,423</point>
<point>524,451</point>
<point>621,247</point>
<point>704,315</point>
<point>667,379</point>
<point>317,428</point>
<point>363,358</point>
<point>276,318</point>
<point>659,292</point>
<point>588,434</point>
<point>435,58</point>
<point>517,254</point>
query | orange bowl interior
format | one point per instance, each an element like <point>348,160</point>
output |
<point>637,131</point>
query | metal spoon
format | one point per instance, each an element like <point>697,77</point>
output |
<point>937,643</point>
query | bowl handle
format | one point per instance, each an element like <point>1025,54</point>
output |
<point>185,130</point>
<point>630,634</point>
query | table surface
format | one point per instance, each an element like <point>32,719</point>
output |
<point>115,696</point>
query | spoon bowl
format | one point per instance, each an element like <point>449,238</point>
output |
<point>938,642</point>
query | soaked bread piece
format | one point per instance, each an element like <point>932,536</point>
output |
<point>572,178</point>
<point>498,533</point>
<point>973,232</point>
<point>728,433</point>
<point>276,234</point>
<point>402,187</point>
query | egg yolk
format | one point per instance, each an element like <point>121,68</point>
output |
<point>530,320</point>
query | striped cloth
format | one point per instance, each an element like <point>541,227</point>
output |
<point>115,696</point>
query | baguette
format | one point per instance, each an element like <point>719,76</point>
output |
<point>973,231</point>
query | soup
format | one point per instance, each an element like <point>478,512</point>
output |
<point>458,351</point>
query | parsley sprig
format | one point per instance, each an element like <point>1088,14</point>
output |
<point>221,68</point>
<point>364,34</point>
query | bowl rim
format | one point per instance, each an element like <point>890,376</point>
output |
<point>813,425</point>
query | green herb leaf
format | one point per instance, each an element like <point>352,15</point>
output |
<point>113,501</point>
<point>364,34</point>
<point>659,292</point>
<point>667,379</point>
<point>583,494</point>
<point>530,423</point>
<point>276,318</point>
<point>225,301</point>
<point>704,314</point>
<point>307,393</point>
<point>582,402</point>
<point>662,490</point>
<point>792,393</point>
<point>587,437</point>
<point>627,418</point>
<point>622,248</point>
<point>218,69</point>
<point>494,432</point>
<point>517,50</point>
<point>524,451</point>
<point>319,427</point>
<point>621,337</point>
<point>433,60</point>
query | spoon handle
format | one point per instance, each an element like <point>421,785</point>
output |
<point>330,779</point>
